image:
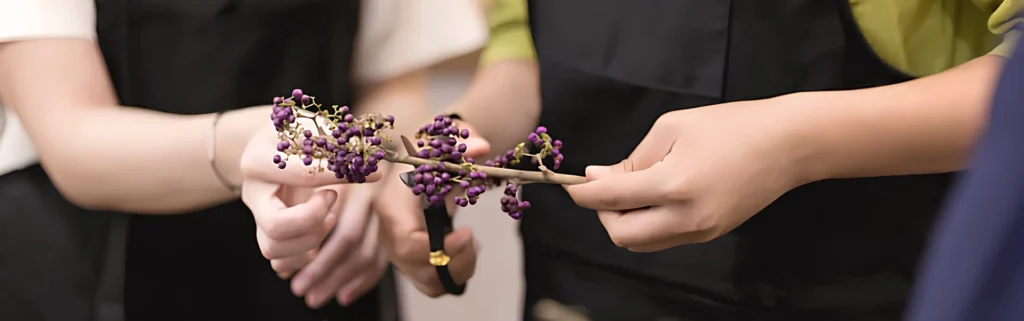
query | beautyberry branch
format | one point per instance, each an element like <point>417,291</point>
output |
<point>352,148</point>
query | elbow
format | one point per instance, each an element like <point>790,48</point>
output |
<point>78,189</point>
<point>80,179</point>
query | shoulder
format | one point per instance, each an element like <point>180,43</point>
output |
<point>32,19</point>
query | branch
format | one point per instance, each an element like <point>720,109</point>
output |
<point>522,177</point>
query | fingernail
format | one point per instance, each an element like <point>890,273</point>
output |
<point>345,299</point>
<point>596,172</point>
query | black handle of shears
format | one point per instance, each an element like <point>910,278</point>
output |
<point>439,225</point>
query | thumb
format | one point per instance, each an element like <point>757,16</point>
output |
<point>596,172</point>
<point>617,187</point>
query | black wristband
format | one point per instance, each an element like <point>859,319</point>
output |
<point>439,225</point>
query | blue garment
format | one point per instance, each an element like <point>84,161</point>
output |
<point>974,270</point>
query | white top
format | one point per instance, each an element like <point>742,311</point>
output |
<point>395,37</point>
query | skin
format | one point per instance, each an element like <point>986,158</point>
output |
<point>923,126</point>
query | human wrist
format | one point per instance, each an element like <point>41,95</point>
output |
<point>232,134</point>
<point>799,136</point>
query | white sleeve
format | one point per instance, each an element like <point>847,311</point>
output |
<point>33,19</point>
<point>400,36</point>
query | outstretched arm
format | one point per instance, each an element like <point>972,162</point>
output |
<point>108,157</point>
<point>923,126</point>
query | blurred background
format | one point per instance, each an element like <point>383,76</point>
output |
<point>495,292</point>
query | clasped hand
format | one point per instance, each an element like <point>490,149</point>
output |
<point>698,174</point>
<point>314,230</point>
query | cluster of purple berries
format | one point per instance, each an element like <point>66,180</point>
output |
<point>511,204</point>
<point>438,142</point>
<point>542,140</point>
<point>352,149</point>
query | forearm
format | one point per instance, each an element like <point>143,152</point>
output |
<point>928,125</point>
<point>108,157</point>
<point>145,161</point>
<point>503,102</point>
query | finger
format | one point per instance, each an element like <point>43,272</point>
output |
<point>459,246</point>
<point>362,283</point>
<point>614,189</point>
<point>364,259</point>
<point>298,220</point>
<point>325,288</point>
<point>346,239</point>
<point>652,229</point>
<point>651,150</point>
<point>277,249</point>
<point>286,266</point>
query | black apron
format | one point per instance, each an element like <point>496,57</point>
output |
<point>832,250</point>
<point>59,262</point>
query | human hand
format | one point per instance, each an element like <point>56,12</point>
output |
<point>294,209</point>
<point>351,261</point>
<point>698,174</point>
<point>405,233</point>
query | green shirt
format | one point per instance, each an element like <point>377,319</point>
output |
<point>919,37</point>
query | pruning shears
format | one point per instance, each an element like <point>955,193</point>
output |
<point>439,225</point>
